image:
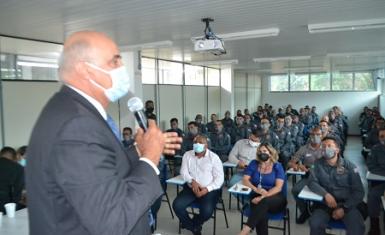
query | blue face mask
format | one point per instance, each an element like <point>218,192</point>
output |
<point>329,153</point>
<point>198,148</point>
<point>120,82</point>
<point>22,162</point>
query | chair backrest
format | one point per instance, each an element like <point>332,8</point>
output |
<point>284,187</point>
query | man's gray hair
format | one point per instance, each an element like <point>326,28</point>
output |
<point>79,50</point>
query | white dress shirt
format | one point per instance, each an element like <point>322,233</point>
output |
<point>98,106</point>
<point>242,150</point>
<point>207,170</point>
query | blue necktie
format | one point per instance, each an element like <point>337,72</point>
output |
<point>111,123</point>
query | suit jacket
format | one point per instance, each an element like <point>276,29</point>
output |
<point>80,178</point>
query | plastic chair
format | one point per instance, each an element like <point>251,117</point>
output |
<point>283,215</point>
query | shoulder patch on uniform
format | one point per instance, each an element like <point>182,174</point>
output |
<point>356,170</point>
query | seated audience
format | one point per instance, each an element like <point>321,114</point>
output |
<point>202,129</point>
<point>220,142</point>
<point>265,176</point>
<point>268,136</point>
<point>376,165</point>
<point>285,145</point>
<point>188,139</point>
<point>128,137</point>
<point>11,178</point>
<point>337,180</point>
<point>211,125</point>
<point>203,171</point>
<point>239,131</point>
<point>227,122</point>
<point>171,158</point>
<point>21,156</point>
<point>149,110</point>
<point>303,160</point>
<point>243,152</point>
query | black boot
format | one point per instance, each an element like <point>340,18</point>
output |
<point>374,226</point>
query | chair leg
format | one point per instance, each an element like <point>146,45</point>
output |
<point>224,213</point>
<point>179,227</point>
<point>288,220</point>
<point>230,201</point>
<point>169,205</point>
<point>215,220</point>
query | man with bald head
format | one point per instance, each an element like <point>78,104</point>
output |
<point>80,178</point>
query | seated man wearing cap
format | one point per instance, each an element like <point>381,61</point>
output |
<point>203,171</point>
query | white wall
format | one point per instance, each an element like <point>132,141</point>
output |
<point>23,102</point>
<point>247,90</point>
<point>351,103</point>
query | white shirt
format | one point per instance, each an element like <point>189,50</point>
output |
<point>242,150</point>
<point>207,170</point>
<point>99,107</point>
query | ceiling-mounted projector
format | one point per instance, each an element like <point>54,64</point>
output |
<point>210,42</point>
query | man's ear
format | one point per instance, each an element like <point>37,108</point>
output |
<point>83,70</point>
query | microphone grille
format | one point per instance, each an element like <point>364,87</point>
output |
<point>135,104</point>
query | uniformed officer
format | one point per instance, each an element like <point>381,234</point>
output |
<point>268,136</point>
<point>285,146</point>
<point>239,131</point>
<point>227,122</point>
<point>376,165</point>
<point>202,129</point>
<point>338,182</point>
<point>372,138</point>
<point>293,129</point>
<point>220,142</point>
<point>303,160</point>
<point>314,115</point>
<point>188,139</point>
<point>326,131</point>
<point>300,140</point>
<point>211,125</point>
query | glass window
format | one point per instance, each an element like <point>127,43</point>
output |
<point>299,82</point>
<point>320,82</point>
<point>170,72</point>
<point>193,75</point>
<point>8,67</point>
<point>363,81</point>
<point>279,82</point>
<point>148,71</point>
<point>342,81</point>
<point>212,77</point>
<point>29,60</point>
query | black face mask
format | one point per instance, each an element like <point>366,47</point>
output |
<point>150,109</point>
<point>263,157</point>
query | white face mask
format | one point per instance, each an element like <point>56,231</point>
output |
<point>254,144</point>
<point>120,82</point>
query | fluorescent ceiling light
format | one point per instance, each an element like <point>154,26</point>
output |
<point>346,25</point>
<point>271,59</point>
<point>36,59</point>
<point>214,62</point>
<point>305,68</point>
<point>36,64</point>
<point>150,45</point>
<point>357,54</point>
<point>259,33</point>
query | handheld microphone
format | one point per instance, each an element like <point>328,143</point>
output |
<point>135,105</point>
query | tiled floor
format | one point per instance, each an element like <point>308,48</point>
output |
<point>169,226</point>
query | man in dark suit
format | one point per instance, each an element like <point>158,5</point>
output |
<point>80,178</point>
<point>11,178</point>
